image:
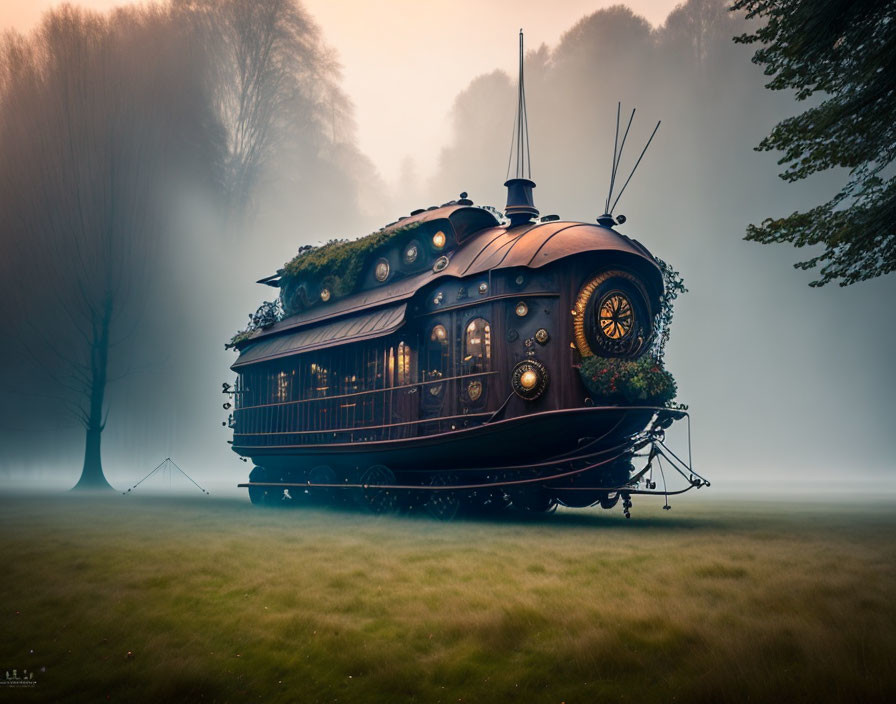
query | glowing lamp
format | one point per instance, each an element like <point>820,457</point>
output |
<point>528,379</point>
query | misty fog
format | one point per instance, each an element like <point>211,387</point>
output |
<point>787,384</point>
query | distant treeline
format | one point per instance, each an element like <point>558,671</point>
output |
<point>687,72</point>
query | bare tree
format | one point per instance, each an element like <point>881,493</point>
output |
<point>92,115</point>
<point>276,86</point>
<point>121,136</point>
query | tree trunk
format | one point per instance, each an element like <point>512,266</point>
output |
<point>92,477</point>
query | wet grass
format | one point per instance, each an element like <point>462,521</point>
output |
<point>219,601</point>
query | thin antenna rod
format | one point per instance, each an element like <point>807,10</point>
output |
<point>622,146</point>
<point>520,157</point>
<point>643,151</point>
<point>519,142</point>
<point>512,139</point>
<point>613,165</point>
<point>525,111</point>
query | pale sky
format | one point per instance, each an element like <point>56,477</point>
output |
<point>404,61</point>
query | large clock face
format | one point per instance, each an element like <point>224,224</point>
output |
<point>615,315</point>
<point>612,316</point>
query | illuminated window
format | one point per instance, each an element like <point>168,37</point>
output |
<point>283,387</point>
<point>439,334</point>
<point>403,371</point>
<point>615,316</point>
<point>435,364</point>
<point>320,379</point>
<point>400,365</point>
<point>477,346</point>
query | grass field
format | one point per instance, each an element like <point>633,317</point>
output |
<point>216,600</point>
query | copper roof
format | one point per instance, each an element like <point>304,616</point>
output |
<point>535,245</point>
<point>465,219</point>
<point>369,325</point>
<point>532,245</point>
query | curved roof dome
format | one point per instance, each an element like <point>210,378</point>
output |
<point>535,245</point>
<point>531,245</point>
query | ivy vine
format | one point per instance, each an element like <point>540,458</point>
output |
<point>266,315</point>
<point>673,287</point>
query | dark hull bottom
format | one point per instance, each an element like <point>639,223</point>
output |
<point>576,457</point>
<point>518,441</point>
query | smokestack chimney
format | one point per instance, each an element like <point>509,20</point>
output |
<point>520,207</point>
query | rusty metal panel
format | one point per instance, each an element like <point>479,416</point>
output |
<point>376,323</point>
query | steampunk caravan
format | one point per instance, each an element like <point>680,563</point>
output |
<point>461,357</point>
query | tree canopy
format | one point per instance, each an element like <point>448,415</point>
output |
<point>843,52</point>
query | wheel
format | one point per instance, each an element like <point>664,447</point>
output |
<point>322,474</point>
<point>574,491</point>
<point>441,504</point>
<point>258,494</point>
<point>264,495</point>
<point>612,316</point>
<point>373,498</point>
<point>609,500</point>
<point>533,499</point>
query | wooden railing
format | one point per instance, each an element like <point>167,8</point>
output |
<point>375,414</point>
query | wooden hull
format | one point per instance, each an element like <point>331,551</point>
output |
<point>523,440</point>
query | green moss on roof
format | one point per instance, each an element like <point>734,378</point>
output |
<point>341,262</point>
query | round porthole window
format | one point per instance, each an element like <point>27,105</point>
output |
<point>382,270</point>
<point>612,316</point>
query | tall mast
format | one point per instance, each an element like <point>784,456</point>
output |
<point>520,207</point>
